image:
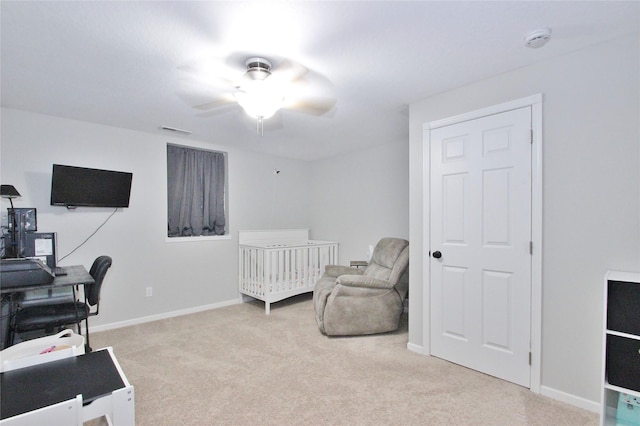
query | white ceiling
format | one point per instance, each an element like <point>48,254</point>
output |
<point>119,63</point>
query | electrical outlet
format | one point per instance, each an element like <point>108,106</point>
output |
<point>149,292</point>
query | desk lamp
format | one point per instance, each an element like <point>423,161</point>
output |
<point>10,192</point>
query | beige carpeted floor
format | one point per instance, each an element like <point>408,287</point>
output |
<point>237,366</point>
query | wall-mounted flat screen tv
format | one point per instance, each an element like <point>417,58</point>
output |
<point>83,187</point>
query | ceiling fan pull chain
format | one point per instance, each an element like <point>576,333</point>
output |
<point>260,126</point>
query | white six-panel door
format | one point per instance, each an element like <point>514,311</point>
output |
<point>480,228</point>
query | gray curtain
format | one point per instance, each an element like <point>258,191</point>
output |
<point>195,190</point>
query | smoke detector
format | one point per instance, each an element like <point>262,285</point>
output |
<point>537,38</point>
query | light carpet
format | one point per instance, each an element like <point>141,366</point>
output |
<point>237,366</point>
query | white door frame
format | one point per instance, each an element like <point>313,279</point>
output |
<point>535,102</point>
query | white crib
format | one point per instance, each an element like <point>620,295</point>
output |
<point>277,264</point>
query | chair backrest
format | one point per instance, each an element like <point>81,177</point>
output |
<point>390,260</point>
<point>98,270</point>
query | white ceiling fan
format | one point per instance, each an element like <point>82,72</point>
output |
<point>259,87</point>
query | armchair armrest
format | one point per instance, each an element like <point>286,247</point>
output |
<point>364,282</point>
<point>336,270</point>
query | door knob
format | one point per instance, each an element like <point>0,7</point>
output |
<point>437,255</point>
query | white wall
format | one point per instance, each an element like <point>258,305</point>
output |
<point>358,198</point>
<point>183,275</point>
<point>591,196</point>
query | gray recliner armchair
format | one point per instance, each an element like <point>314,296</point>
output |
<point>350,301</point>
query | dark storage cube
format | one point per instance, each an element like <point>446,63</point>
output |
<point>623,310</point>
<point>623,362</point>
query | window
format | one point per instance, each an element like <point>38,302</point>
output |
<point>196,192</point>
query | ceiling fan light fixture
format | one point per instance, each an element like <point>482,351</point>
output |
<point>259,105</point>
<point>257,95</point>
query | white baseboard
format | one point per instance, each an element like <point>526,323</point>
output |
<point>570,399</point>
<point>415,348</point>
<point>162,316</point>
<point>561,396</point>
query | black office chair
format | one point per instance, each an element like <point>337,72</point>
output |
<point>52,316</point>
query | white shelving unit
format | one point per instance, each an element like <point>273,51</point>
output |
<point>619,325</point>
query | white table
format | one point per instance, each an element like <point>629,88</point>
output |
<point>69,391</point>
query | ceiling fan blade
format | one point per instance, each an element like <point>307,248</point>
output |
<point>204,98</point>
<point>211,71</point>
<point>317,106</point>
<point>230,107</point>
<point>288,71</point>
<point>215,104</point>
<point>203,95</point>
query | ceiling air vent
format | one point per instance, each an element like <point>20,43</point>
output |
<point>174,129</point>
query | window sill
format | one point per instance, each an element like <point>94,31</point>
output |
<point>197,239</point>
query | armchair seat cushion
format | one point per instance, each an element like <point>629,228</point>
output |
<point>337,270</point>
<point>364,282</point>
<point>350,301</point>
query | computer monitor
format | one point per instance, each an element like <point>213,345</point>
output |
<point>42,245</point>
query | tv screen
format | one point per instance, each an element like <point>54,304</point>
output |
<point>80,186</point>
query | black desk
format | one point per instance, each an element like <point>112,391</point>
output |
<point>93,377</point>
<point>76,275</point>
